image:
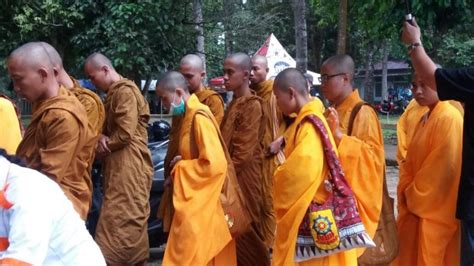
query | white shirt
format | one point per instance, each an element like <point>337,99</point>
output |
<point>38,223</point>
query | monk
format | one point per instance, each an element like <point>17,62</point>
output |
<point>192,68</point>
<point>274,127</point>
<point>199,233</point>
<point>58,141</point>
<point>300,179</point>
<point>427,191</point>
<point>242,130</point>
<point>362,152</point>
<point>127,166</point>
<point>407,123</point>
<point>91,101</point>
<point>10,124</point>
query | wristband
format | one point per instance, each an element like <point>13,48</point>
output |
<point>413,46</point>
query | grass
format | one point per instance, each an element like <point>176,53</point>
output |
<point>392,119</point>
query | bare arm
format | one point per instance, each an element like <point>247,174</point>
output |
<point>424,66</point>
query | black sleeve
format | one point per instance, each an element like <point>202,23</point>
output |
<point>455,84</point>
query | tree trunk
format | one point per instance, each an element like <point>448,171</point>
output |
<point>198,22</point>
<point>385,48</point>
<point>342,27</point>
<point>369,75</point>
<point>318,39</point>
<point>301,35</point>
<point>228,11</point>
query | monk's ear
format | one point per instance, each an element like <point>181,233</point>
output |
<point>55,71</point>
<point>203,74</point>
<point>179,92</point>
<point>247,74</point>
<point>292,92</point>
<point>267,69</point>
<point>43,72</point>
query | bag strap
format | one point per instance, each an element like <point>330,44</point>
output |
<point>335,168</point>
<point>354,113</point>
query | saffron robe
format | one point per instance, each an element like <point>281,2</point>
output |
<point>214,101</point>
<point>363,159</point>
<point>407,123</point>
<point>10,131</point>
<point>298,181</point>
<point>275,126</point>
<point>242,130</point>
<point>127,170</point>
<point>92,104</point>
<point>199,234</point>
<point>60,143</point>
<point>428,230</point>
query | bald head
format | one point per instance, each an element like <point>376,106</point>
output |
<point>32,72</point>
<point>241,60</point>
<point>32,54</point>
<point>291,77</point>
<point>171,81</point>
<point>98,60</point>
<point>259,70</point>
<point>193,61</point>
<point>261,60</point>
<point>340,64</point>
<point>53,54</point>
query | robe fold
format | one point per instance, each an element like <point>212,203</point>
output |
<point>275,126</point>
<point>298,181</point>
<point>127,170</point>
<point>214,101</point>
<point>10,130</point>
<point>407,123</point>
<point>92,104</point>
<point>428,231</point>
<point>60,143</point>
<point>199,234</point>
<point>363,160</point>
<point>242,130</point>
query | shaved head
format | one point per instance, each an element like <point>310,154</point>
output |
<point>53,54</point>
<point>259,70</point>
<point>261,60</point>
<point>98,60</point>
<point>171,81</point>
<point>291,77</point>
<point>192,60</point>
<point>241,60</point>
<point>341,64</point>
<point>32,72</point>
<point>32,54</point>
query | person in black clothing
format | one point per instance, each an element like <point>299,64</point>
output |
<point>452,84</point>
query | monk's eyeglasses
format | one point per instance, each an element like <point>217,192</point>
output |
<point>324,78</point>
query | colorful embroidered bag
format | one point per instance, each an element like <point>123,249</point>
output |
<point>334,225</point>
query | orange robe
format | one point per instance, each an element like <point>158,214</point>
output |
<point>298,181</point>
<point>199,234</point>
<point>214,101</point>
<point>60,143</point>
<point>428,231</point>
<point>407,123</point>
<point>127,170</point>
<point>10,130</point>
<point>92,104</point>
<point>363,159</point>
<point>242,130</point>
<point>275,126</point>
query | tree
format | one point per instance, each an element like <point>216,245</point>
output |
<point>198,26</point>
<point>342,27</point>
<point>301,35</point>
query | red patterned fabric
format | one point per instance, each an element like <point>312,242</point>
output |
<point>319,237</point>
